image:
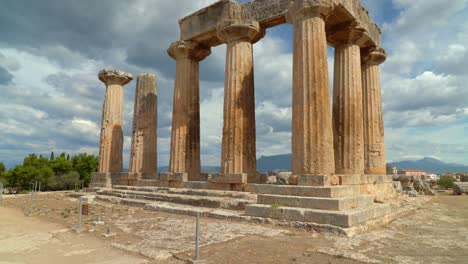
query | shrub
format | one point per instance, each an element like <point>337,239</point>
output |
<point>64,181</point>
<point>275,206</point>
<point>446,182</point>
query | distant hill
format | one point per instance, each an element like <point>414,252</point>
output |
<point>430,165</point>
<point>278,162</point>
<point>205,169</point>
<point>283,162</point>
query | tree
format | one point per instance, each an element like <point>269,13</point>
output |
<point>66,181</point>
<point>60,173</point>
<point>61,165</point>
<point>85,164</point>
<point>3,173</point>
<point>446,182</point>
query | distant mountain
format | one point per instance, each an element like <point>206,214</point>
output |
<point>278,162</point>
<point>283,162</point>
<point>205,169</point>
<point>430,165</point>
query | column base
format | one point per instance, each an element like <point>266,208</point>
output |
<point>229,182</point>
<point>375,171</point>
<point>173,179</point>
<point>108,179</point>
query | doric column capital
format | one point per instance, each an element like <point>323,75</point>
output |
<point>373,56</point>
<point>238,30</point>
<point>188,50</point>
<point>112,76</point>
<point>300,9</point>
<point>348,33</point>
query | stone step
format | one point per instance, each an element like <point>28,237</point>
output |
<point>340,203</point>
<point>188,191</point>
<point>148,182</point>
<point>203,201</point>
<point>310,191</point>
<point>345,219</point>
<point>182,209</point>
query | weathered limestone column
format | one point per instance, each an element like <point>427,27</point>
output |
<point>312,132</point>
<point>347,102</point>
<point>374,145</point>
<point>111,141</point>
<point>238,148</point>
<point>185,136</point>
<point>143,153</point>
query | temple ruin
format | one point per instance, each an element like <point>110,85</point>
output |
<point>338,151</point>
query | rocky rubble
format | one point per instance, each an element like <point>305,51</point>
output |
<point>413,185</point>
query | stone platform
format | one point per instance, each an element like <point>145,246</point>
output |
<point>359,199</point>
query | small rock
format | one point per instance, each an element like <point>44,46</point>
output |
<point>283,178</point>
<point>380,201</point>
<point>108,235</point>
<point>271,180</point>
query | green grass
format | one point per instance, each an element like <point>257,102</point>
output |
<point>275,206</point>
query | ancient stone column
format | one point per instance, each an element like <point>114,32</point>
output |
<point>374,145</point>
<point>185,136</point>
<point>143,153</point>
<point>111,141</point>
<point>238,147</point>
<point>312,132</point>
<point>347,102</point>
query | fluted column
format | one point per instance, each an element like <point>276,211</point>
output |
<point>143,153</point>
<point>185,135</point>
<point>238,147</point>
<point>312,132</point>
<point>111,140</point>
<point>347,102</point>
<point>374,145</point>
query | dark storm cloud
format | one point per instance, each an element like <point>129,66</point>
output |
<point>5,76</point>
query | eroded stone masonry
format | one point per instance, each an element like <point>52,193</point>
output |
<point>338,151</point>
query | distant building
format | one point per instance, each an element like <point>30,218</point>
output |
<point>431,176</point>
<point>412,172</point>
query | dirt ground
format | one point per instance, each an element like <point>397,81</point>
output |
<point>436,233</point>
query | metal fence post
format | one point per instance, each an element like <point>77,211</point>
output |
<point>31,202</point>
<point>1,193</point>
<point>80,212</point>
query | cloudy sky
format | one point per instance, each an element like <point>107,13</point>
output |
<point>52,50</point>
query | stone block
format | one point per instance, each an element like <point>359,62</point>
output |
<point>317,180</point>
<point>220,186</point>
<point>460,188</point>
<point>262,178</point>
<point>146,182</point>
<point>204,176</point>
<point>312,191</point>
<point>149,176</point>
<point>339,204</point>
<point>176,184</point>
<point>355,179</point>
<point>197,185</point>
<point>252,177</point>
<point>162,183</point>
<point>178,177</point>
<point>347,218</point>
<point>100,180</point>
<point>237,187</point>
<point>229,178</point>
